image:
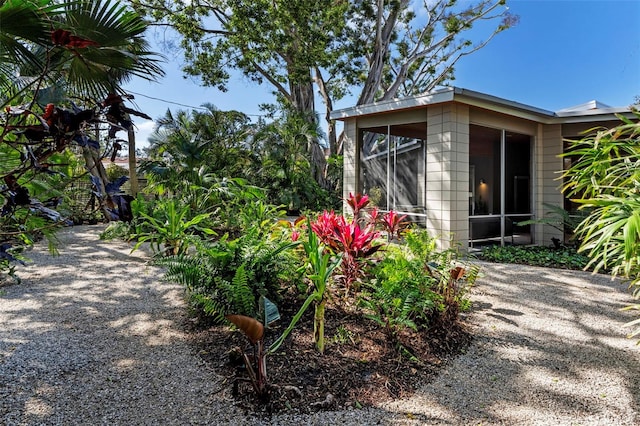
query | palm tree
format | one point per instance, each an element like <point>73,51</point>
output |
<point>88,48</point>
<point>50,51</point>
<point>285,170</point>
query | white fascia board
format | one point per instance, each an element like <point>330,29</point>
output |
<point>444,95</point>
<point>447,94</point>
<point>591,112</point>
<point>482,100</point>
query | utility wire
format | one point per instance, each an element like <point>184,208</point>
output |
<point>184,105</point>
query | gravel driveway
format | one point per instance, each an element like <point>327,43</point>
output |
<point>93,337</point>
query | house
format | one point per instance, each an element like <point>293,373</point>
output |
<point>466,165</point>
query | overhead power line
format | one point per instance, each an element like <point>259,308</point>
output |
<point>181,104</point>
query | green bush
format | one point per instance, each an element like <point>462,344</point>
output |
<point>417,286</point>
<point>228,276</point>
<point>564,257</point>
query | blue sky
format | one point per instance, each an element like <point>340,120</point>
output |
<point>562,53</point>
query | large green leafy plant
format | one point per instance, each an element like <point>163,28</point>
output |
<point>321,265</point>
<point>230,275</point>
<point>171,227</point>
<point>606,179</point>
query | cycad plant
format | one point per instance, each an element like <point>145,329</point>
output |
<point>606,179</point>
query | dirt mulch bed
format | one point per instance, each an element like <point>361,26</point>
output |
<point>361,366</point>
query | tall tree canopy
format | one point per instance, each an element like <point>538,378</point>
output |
<point>375,49</point>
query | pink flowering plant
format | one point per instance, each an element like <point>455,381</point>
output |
<point>354,241</point>
<point>394,224</point>
<point>357,203</point>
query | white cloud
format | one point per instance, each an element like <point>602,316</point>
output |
<point>143,129</point>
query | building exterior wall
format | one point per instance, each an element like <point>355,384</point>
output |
<point>445,174</point>
<point>448,173</point>
<point>351,159</point>
<point>549,167</point>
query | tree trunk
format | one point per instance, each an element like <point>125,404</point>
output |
<point>331,125</point>
<point>94,166</point>
<point>133,173</point>
<point>384,33</point>
<point>303,101</point>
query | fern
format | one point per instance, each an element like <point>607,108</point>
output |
<point>189,272</point>
<point>209,306</point>
<point>240,294</point>
<point>233,273</point>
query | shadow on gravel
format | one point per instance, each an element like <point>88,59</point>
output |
<point>94,324</point>
<point>89,326</point>
<point>549,345</point>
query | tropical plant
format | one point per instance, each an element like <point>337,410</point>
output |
<point>605,178</point>
<point>321,264</point>
<point>357,203</point>
<point>394,224</point>
<point>85,48</point>
<point>559,218</point>
<point>230,275</point>
<point>183,143</point>
<point>416,286</point>
<point>565,257</point>
<point>171,228</point>
<point>191,152</point>
<point>51,52</point>
<point>281,165</point>
<point>400,295</point>
<point>354,242</point>
<point>257,364</point>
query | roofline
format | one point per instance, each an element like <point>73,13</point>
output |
<point>481,100</point>
<point>435,97</point>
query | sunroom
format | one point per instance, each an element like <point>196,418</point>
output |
<point>468,166</point>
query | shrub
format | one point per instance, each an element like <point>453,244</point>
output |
<point>228,276</point>
<point>416,286</point>
<point>563,257</point>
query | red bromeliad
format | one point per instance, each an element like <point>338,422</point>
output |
<point>355,240</point>
<point>357,203</point>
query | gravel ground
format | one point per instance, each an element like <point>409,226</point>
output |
<point>93,337</point>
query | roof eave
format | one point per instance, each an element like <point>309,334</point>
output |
<point>440,96</point>
<point>482,100</point>
<point>447,94</point>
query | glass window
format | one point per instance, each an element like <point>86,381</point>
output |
<point>393,171</point>
<point>500,186</point>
